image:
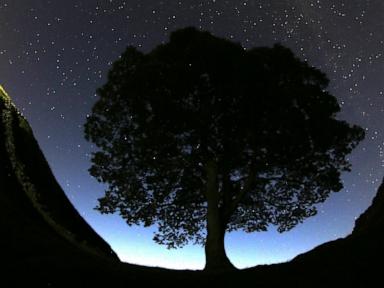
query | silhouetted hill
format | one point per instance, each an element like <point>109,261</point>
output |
<point>372,220</point>
<point>38,223</point>
<point>46,243</point>
<point>357,257</point>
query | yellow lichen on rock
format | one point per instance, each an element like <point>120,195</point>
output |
<point>4,95</point>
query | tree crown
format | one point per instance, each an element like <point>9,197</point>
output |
<point>261,115</point>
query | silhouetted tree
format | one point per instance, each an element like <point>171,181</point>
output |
<point>201,136</point>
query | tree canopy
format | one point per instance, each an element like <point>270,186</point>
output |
<point>201,127</point>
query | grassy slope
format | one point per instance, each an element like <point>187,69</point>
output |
<point>39,227</point>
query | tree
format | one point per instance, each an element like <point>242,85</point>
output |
<point>201,136</point>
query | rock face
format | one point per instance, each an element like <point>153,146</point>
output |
<point>38,223</point>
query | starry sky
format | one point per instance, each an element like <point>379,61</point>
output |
<point>55,54</point>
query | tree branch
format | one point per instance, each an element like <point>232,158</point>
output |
<point>212,192</point>
<point>226,191</point>
<point>243,191</point>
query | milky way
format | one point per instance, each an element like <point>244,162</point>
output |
<point>55,54</point>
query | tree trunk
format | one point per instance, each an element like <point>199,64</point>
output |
<point>215,256</point>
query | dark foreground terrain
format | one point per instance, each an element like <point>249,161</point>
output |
<point>44,242</point>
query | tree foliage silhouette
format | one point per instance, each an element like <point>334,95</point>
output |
<point>201,137</point>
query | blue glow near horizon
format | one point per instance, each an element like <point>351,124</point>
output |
<point>135,245</point>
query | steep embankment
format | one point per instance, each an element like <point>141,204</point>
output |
<point>44,240</point>
<point>354,259</point>
<point>372,220</point>
<point>39,226</point>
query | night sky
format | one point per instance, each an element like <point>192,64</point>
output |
<point>55,54</point>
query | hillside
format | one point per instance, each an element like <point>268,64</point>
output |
<point>38,223</point>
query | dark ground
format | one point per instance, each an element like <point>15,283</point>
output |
<point>45,243</point>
